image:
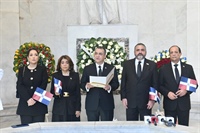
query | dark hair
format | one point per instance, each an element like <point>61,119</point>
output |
<point>140,44</point>
<point>28,52</point>
<point>71,64</point>
<point>179,49</point>
<point>99,47</point>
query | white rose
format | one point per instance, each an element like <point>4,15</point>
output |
<point>163,55</point>
<point>117,46</point>
<point>100,45</point>
<point>117,55</point>
<point>117,66</point>
<point>111,56</point>
<point>116,50</point>
<point>84,56</point>
<point>104,42</point>
<point>91,45</point>
<point>121,69</point>
<point>82,61</point>
<point>109,47</point>
<point>110,43</point>
<point>98,42</point>
<point>90,50</point>
<point>89,61</point>
<point>47,62</point>
<point>119,60</point>
<point>119,76</point>
<point>82,66</point>
<point>108,61</point>
<point>166,52</point>
<point>183,60</point>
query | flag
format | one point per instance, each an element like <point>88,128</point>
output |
<point>153,95</point>
<point>57,86</point>
<point>188,84</point>
<point>42,96</point>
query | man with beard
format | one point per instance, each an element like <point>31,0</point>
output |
<point>139,74</point>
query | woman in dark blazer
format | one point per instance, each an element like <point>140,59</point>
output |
<point>67,103</point>
<point>29,78</point>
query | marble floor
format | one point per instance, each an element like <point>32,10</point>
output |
<point>8,116</point>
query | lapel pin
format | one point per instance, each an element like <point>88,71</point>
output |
<point>147,63</point>
<point>70,78</point>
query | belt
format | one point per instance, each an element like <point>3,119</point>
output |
<point>66,94</point>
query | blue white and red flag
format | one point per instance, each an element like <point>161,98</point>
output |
<point>188,84</point>
<point>154,95</point>
<point>57,85</point>
<point>42,96</point>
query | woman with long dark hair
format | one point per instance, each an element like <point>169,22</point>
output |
<point>29,78</point>
<point>67,101</point>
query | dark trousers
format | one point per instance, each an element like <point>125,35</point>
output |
<point>26,119</point>
<point>133,114</point>
<point>183,116</point>
<point>103,115</point>
<point>61,118</point>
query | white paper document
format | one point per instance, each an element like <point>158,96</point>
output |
<point>101,81</point>
<point>1,105</point>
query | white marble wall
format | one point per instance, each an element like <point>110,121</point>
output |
<point>9,41</point>
<point>193,40</point>
<point>161,24</point>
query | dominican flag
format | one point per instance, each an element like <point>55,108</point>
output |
<point>188,84</point>
<point>42,96</point>
<point>57,86</point>
<point>153,95</point>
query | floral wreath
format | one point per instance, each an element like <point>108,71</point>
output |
<point>45,57</point>
<point>163,58</point>
<point>115,53</point>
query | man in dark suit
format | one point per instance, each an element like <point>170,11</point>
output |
<point>139,74</point>
<point>176,101</point>
<point>99,101</point>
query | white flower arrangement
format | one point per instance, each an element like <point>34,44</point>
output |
<point>115,53</point>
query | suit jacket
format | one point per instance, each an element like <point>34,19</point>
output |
<point>168,83</point>
<point>98,96</point>
<point>134,89</point>
<point>27,82</point>
<point>72,86</point>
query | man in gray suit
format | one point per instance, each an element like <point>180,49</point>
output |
<point>139,74</point>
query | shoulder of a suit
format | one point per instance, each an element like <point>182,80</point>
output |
<point>185,65</point>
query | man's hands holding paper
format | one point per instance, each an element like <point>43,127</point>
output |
<point>89,86</point>
<point>106,87</point>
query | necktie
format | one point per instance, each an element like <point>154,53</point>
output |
<point>176,73</point>
<point>100,72</point>
<point>139,69</point>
